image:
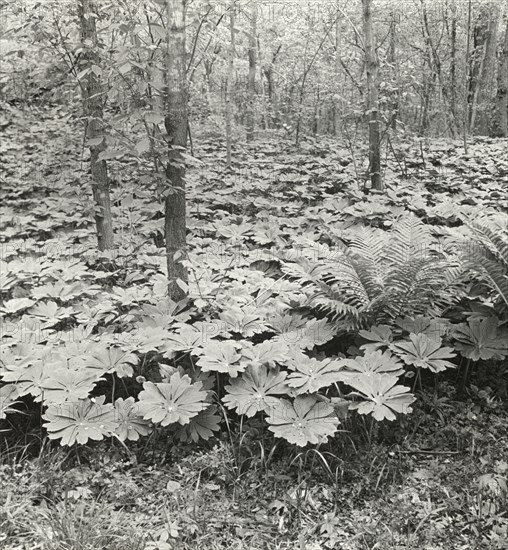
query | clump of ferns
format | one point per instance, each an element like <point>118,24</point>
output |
<point>381,275</point>
<point>485,253</point>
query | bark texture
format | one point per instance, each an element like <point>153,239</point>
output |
<point>252,74</point>
<point>176,128</point>
<point>92,94</point>
<point>372,98</point>
<point>501,129</point>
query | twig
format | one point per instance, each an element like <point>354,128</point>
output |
<point>419,452</point>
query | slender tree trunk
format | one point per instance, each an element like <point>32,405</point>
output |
<point>502,90</point>
<point>372,98</point>
<point>337,113</point>
<point>229,77</point>
<point>176,128</point>
<point>425,105</point>
<point>485,42</point>
<point>435,67</point>
<point>92,93</point>
<point>268,72</point>
<point>155,69</point>
<point>487,89</point>
<point>467,79</point>
<point>316,117</point>
<point>208,90</point>
<point>252,74</point>
<point>453,65</point>
<point>304,78</point>
<point>301,95</point>
<point>270,88</point>
<point>393,61</point>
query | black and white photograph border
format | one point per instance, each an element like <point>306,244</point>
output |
<point>253,274</point>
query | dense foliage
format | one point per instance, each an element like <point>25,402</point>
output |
<point>300,307</point>
<point>290,302</point>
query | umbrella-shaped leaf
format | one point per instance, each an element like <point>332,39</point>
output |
<point>433,328</point>
<point>220,357</point>
<point>311,374</point>
<point>50,313</point>
<point>168,402</point>
<point>378,336</point>
<point>424,352</point>
<point>481,339</point>
<point>306,420</point>
<point>112,360</point>
<point>130,424</point>
<point>77,422</point>
<point>254,390</point>
<point>16,304</point>
<point>313,333</point>
<point>382,396</point>
<point>186,339</point>
<point>201,426</point>
<point>373,362</point>
<point>29,379</point>
<point>244,320</point>
<point>68,385</point>
<point>8,395</point>
<point>268,353</point>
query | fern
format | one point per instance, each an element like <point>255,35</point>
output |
<point>382,275</point>
<point>489,254</point>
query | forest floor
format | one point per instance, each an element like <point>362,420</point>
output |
<point>434,480</point>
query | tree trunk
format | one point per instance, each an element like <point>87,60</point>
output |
<point>176,127</point>
<point>485,42</point>
<point>337,113</point>
<point>252,74</point>
<point>392,57</point>
<point>270,90</point>
<point>372,98</point>
<point>487,90</point>
<point>467,78</point>
<point>229,76</point>
<point>317,115</point>
<point>453,65</point>
<point>268,72</point>
<point>92,94</point>
<point>502,90</point>
<point>434,63</point>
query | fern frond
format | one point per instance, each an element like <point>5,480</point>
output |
<point>489,254</point>
<point>381,275</point>
<point>409,238</point>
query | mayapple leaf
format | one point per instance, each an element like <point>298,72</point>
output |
<point>216,356</point>
<point>69,385</point>
<point>255,389</point>
<point>15,305</point>
<point>373,362</point>
<point>305,420</point>
<point>378,336</point>
<point>185,339</point>
<point>433,328</point>
<point>8,395</point>
<point>201,426</point>
<point>421,351</point>
<point>130,425</point>
<point>79,421</point>
<point>169,402</point>
<point>268,353</point>
<point>481,339</point>
<point>28,378</point>
<point>112,359</point>
<point>381,396</point>
<point>311,374</point>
